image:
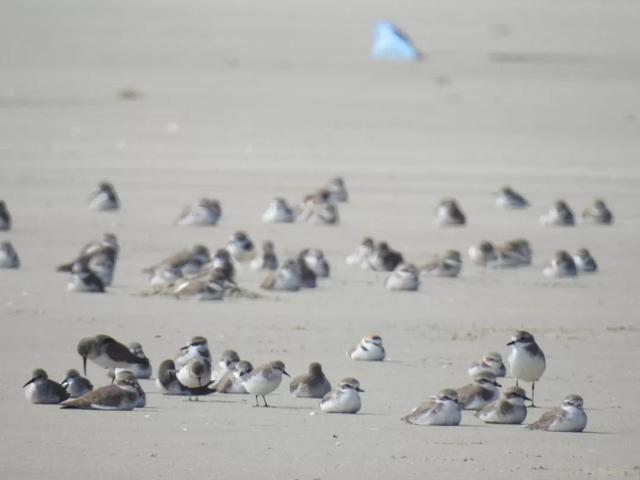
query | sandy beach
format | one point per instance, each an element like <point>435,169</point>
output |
<point>244,101</point>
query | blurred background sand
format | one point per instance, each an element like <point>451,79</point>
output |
<point>246,100</point>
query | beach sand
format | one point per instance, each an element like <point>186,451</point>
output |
<point>247,100</point>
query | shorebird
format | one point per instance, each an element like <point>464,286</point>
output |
<point>561,265</point>
<point>143,370</point>
<point>231,382</point>
<point>120,374</point>
<point>287,277</point>
<point>267,260</point>
<point>100,257</point>
<point>344,399</point>
<point>120,395</point>
<point>203,213</point>
<point>361,257</point>
<point>76,385</point>
<point>509,198</point>
<point>319,209</point>
<point>84,280</point>
<point>278,211</point>
<point>181,264</point>
<point>308,278</point>
<point>227,363</point>
<point>449,265</point>
<point>584,261</point>
<point>108,353</point>
<point>569,417</point>
<point>240,247</point>
<point>264,380</point>
<point>104,198</point>
<point>5,217</point>
<point>196,373</point>
<point>526,360</point>
<point>315,261</point>
<point>41,390</point>
<point>196,347</point>
<point>168,384</point>
<point>443,410</point>
<point>213,285</point>
<point>8,256</point>
<point>369,349</point>
<point>483,254</point>
<point>384,259</point>
<point>491,362</point>
<point>598,213</point>
<point>509,409</point>
<point>310,385</point>
<point>560,214</point>
<point>448,213</point>
<point>483,391</point>
<point>404,277</point>
<point>514,253</point>
<point>338,190</point>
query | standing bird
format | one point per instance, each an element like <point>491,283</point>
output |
<point>168,384</point>
<point>41,390</point>
<point>443,410</point>
<point>196,347</point>
<point>568,417</point>
<point>76,385</point>
<point>526,360</point>
<point>369,349</point>
<point>561,265</point>
<point>448,213</point>
<point>560,214</point>
<point>264,380</point>
<point>104,198</point>
<point>196,373</point>
<point>509,409</point>
<point>120,395</point>
<point>344,399</point>
<point>203,213</point>
<point>404,277</point>
<point>5,217</point>
<point>310,385</point>
<point>507,197</point>
<point>598,213</point>
<point>108,353</point>
<point>8,256</point>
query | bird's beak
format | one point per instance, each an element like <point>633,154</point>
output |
<point>497,384</point>
<point>527,398</point>
<point>64,381</point>
<point>84,364</point>
<point>358,389</point>
<point>512,342</point>
<point>30,381</point>
<point>285,373</point>
<point>185,347</point>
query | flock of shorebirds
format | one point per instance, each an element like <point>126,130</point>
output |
<point>198,274</point>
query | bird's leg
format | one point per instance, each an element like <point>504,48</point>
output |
<point>533,389</point>
<point>265,401</point>
<point>257,404</point>
<point>516,382</point>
